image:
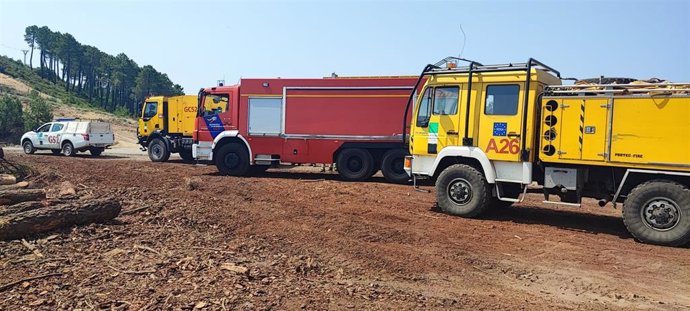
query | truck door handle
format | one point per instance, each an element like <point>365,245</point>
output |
<point>452,133</point>
<point>513,134</point>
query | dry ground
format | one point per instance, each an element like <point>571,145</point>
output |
<point>309,241</point>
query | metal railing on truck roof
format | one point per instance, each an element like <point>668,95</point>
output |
<point>477,67</point>
<point>633,88</point>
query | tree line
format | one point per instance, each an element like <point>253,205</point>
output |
<point>110,82</point>
<point>14,120</point>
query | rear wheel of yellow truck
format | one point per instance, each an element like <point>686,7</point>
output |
<point>658,212</point>
<point>463,191</point>
<point>186,155</point>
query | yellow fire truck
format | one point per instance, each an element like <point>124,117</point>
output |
<point>487,133</point>
<point>166,125</point>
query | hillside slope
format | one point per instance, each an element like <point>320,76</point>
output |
<point>125,128</point>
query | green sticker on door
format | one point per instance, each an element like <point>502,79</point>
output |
<point>433,138</point>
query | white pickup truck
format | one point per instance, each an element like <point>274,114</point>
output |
<point>69,137</point>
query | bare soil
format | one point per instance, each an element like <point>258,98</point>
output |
<point>301,239</point>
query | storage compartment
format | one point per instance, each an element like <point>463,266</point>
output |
<point>265,116</point>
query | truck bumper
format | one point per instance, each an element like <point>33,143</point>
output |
<point>202,151</point>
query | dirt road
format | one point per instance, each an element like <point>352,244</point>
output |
<point>304,240</point>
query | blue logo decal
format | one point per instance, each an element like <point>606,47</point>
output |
<point>500,128</point>
<point>214,125</point>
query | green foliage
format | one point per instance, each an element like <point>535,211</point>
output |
<point>38,111</point>
<point>122,112</point>
<point>11,121</point>
<point>86,73</point>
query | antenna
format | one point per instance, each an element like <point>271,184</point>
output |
<point>464,40</point>
<point>25,51</point>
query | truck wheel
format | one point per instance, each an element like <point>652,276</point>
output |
<point>393,166</point>
<point>463,191</point>
<point>658,212</point>
<point>355,164</point>
<point>186,155</point>
<point>233,160</point>
<point>258,169</point>
<point>96,152</point>
<point>28,147</point>
<point>56,151</point>
<point>68,149</point>
<point>158,150</point>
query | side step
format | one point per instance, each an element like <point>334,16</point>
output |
<point>265,159</point>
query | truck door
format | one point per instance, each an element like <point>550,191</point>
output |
<point>437,122</point>
<point>500,121</point>
<point>42,134</point>
<point>216,114</point>
<point>150,122</point>
<point>54,135</point>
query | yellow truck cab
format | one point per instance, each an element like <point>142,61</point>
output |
<point>166,125</point>
<point>488,134</point>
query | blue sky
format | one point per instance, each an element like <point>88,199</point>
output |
<point>199,42</point>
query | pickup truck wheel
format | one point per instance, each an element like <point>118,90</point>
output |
<point>96,152</point>
<point>463,191</point>
<point>393,166</point>
<point>186,155</point>
<point>56,151</point>
<point>355,164</point>
<point>232,159</point>
<point>158,150</point>
<point>68,149</point>
<point>658,212</point>
<point>28,147</point>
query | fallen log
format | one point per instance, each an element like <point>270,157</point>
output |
<point>19,185</point>
<point>9,197</point>
<point>7,179</point>
<point>14,226</point>
<point>21,207</point>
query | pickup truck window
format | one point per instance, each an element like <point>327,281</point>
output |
<point>44,128</point>
<point>150,110</point>
<point>57,127</point>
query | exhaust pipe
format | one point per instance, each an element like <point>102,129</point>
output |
<point>603,202</point>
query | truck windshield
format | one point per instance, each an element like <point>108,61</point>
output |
<point>216,103</point>
<point>150,110</point>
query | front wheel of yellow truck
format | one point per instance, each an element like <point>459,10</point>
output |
<point>463,191</point>
<point>658,212</point>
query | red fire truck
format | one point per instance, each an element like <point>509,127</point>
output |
<point>354,122</point>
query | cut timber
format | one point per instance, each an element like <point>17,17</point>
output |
<point>6,179</point>
<point>19,185</point>
<point>9,197</point>
<point>14,226</point>
<point>21,207</point>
